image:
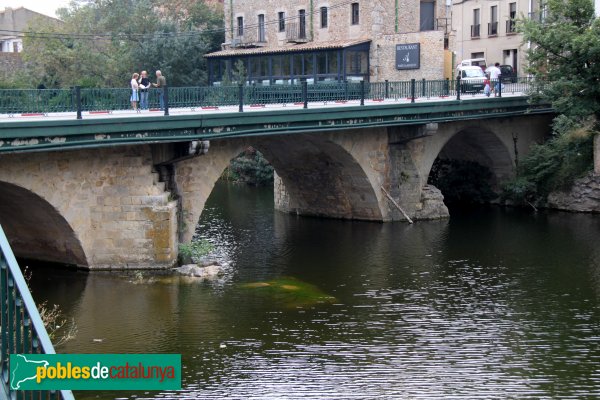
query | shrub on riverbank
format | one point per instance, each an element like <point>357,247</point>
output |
<point>553,165</point>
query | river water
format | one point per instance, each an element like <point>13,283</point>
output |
<point>489,304</point>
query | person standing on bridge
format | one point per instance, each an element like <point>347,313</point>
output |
<point>134,91</point>
<point>161,82</point>
<point>144,82</point>
<point>494,72</point>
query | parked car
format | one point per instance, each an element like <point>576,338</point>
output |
<point>508,74</point>
<point>471,78</point>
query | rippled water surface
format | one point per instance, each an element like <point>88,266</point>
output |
<point>490,304</point>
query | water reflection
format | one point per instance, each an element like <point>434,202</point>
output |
<point>491,304</point>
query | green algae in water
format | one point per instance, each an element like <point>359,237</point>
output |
<point>290,292</point>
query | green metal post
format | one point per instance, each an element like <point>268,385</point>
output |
<point>305,93</point>
<point>412,90</point>
<point>499,85</point>
<point>387,89</point>
<point>362,93</point>
<point>166,98</point>
<point>458,88</point>
<point>78,100</point>
<point>241,97</point>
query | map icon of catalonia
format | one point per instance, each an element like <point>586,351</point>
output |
<point>25,370</point>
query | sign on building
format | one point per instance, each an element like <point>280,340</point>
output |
<point>408,56</point>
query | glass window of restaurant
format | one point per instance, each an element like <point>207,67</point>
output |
<point>316,66</point>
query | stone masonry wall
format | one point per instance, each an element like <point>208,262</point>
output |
<point>377,21</point>
<point>110,198</point>
<point>383,56</point>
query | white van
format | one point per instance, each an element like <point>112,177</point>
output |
<point>472,62</point>
<point>472,78</point>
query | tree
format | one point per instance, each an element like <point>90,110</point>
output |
<point>102,42</point>
<point>565,55</point>
<point>564,58</point>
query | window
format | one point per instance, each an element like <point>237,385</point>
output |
<point>427,15</point>
<point>281,21</point>
<point>240,26</point>
<point>355,14</point>
<point>493,25</point>
<point>302,24</point>
<point>323,17</point>
<point>476,25</point>
<point>512,16</point>
<point>261,28</point>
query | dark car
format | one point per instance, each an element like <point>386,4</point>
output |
<point>509,75</point>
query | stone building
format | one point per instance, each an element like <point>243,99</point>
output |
<point>487,29</point>
<point>289,41</point>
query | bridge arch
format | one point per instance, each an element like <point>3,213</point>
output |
<point>482,144</point>
<point>36,229</point>
<point>321,174</point>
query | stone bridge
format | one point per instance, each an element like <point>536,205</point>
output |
<point>128,206</point>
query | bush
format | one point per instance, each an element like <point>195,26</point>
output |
<point>552,166</point>
<point>194,251</point>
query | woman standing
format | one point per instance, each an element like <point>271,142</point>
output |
<point>134,91</point>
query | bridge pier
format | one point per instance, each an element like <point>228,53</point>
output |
<point>110,208</point>
<point>99,209</point>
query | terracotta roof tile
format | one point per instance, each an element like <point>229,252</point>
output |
<point>291,48</point>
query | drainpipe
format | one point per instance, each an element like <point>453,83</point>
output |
<point>311,21</point>
<point>396,16</point>
<point>230,18</point>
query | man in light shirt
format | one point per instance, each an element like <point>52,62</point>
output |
<point>494,73</point>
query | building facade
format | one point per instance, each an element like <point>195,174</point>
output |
<point>286,41</point>
<point>14,21</point>
<point>487,29</point>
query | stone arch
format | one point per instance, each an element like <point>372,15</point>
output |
<point>321,175</point>
<point>472,143</point>
<point>36,229</point>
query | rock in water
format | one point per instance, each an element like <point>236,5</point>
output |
<point>197,271</point>
<point>584,196</point>
<point>432,204</point>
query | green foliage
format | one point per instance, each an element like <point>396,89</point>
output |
<point>565,60</point>
<point>104,42</point>
<point>250,167</point>
<point>462,181</point>
<point>195,250</point>
<point>565,57</point>
<point>552,166</point>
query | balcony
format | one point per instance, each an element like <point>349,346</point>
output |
<point>475,30</point>
<point>493,28</point>
<point>295,32</point>
<point>511,27</point>
<point>250,38</point>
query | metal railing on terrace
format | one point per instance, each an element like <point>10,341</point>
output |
<point>22,329</point>
<point>44,101</point>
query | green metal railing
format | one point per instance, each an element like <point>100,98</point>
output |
<point>22,329</point>
<point>31,101</point>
